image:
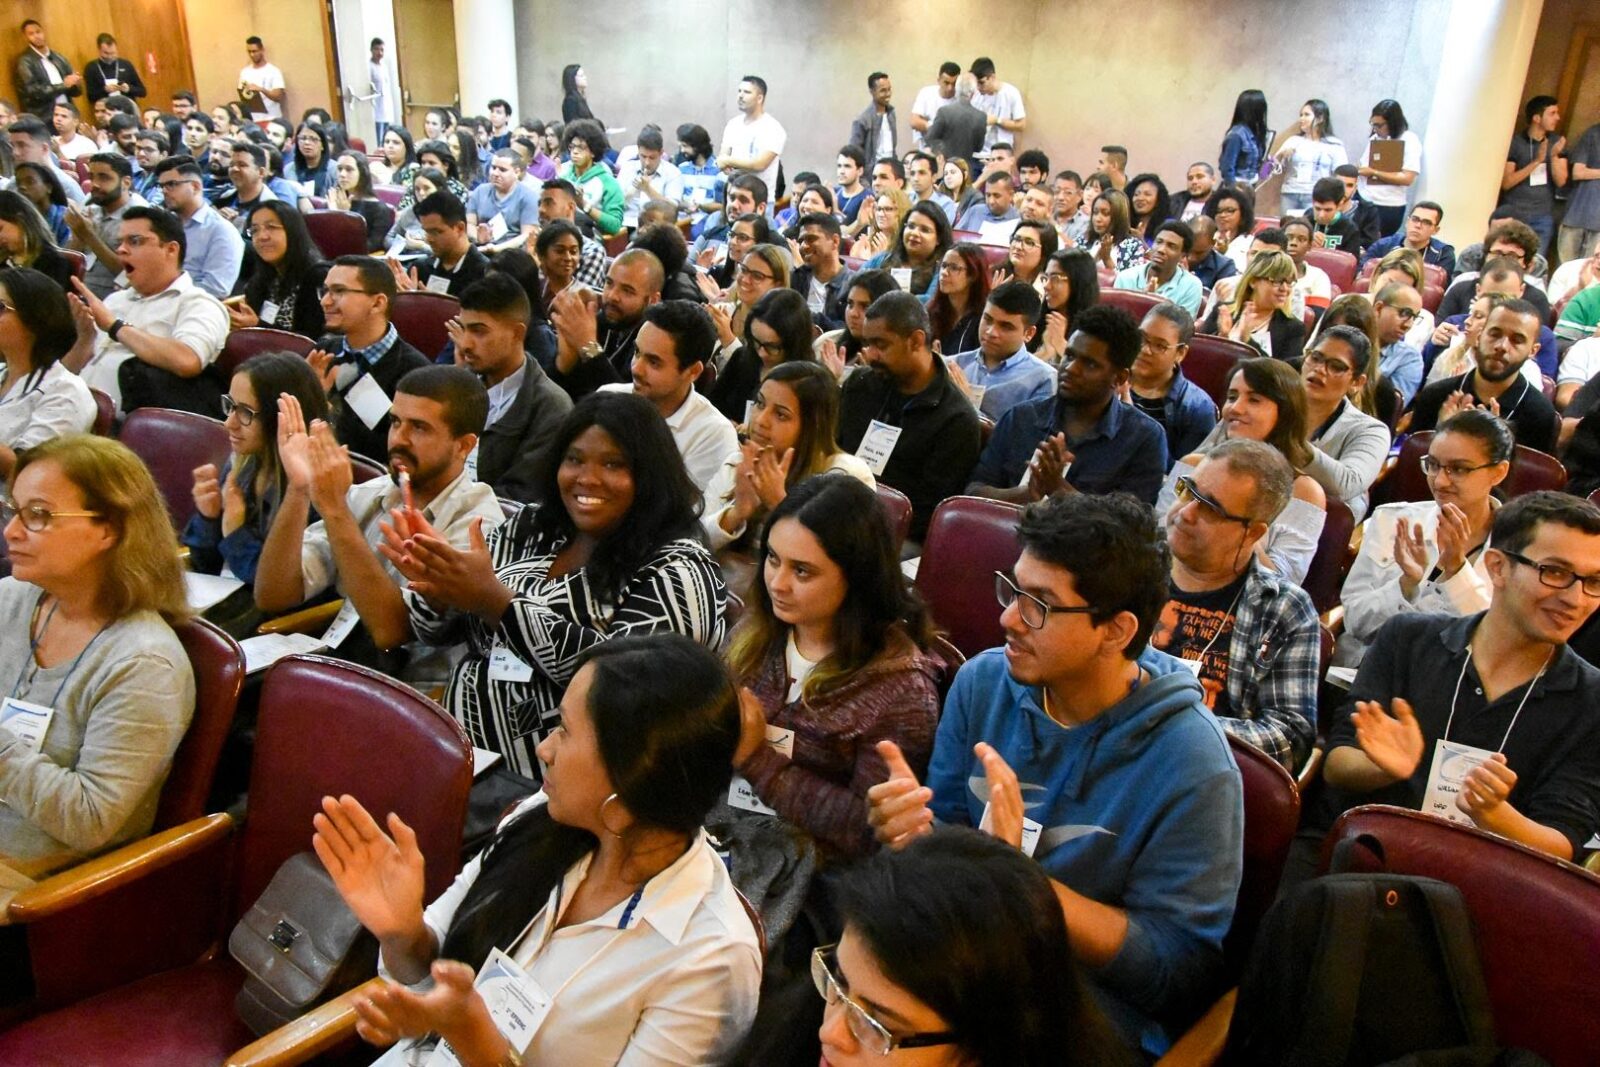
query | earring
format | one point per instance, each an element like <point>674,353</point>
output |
<point>603,822</point>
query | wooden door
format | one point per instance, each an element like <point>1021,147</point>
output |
<point>151,34</point>
<point>425,55</point>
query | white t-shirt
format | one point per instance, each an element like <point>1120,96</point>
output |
<point>1004,103</point>
<point>1581,362</point>
<point>1392,195</point>
<point>266,76</point>
<point>1310,161</point>
<point>78,147</point>
<point>381,104</point>
<point>746,140</point>
<point>927,104</point>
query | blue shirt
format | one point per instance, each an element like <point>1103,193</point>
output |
<point>1241,157</point>
<point>979,213</point>
<point>1125,451</point>
<point>214,251</point>
<point>849,207</point>
<point>702,184</point>
<point>1438,253</point>
<point>1182,288</point>
<point>947,205</point>
<point>1213,268</point>
<point>519,206</point>
<point>1188,415</point>
<point>1401,367</point>
<point>1022,376</point>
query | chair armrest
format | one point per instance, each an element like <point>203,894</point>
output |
<point>305,621</point>
<point>1202,1044</point>
<point>1333,619</point>
<point>1313,767</point>
<point>103,874</point>
<point>317,1031</point>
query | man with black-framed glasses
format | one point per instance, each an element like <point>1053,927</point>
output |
<point>1489,719</point>
<point>1095,755</point>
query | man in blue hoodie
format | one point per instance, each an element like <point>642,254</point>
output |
<point>1095,754</point>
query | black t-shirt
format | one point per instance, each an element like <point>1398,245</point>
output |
<point>1532,417</point>
<point>1155,407</point>
<point>1198,627</point>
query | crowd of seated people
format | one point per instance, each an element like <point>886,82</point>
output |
<point>633,530</point>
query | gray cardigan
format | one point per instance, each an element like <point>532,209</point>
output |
<point>1348,457</point>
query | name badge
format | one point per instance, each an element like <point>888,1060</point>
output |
<point>498,227</point>
<point>472,464</point>
<point>29,722</point>
<point>741,794</point>
<point>1192,666</point>
<point>440,283</point>
<point>878,445</point>
<point>1452,762</point>
<point>902,277</point>
<point>1030,830</point>
<point>368,400</point>
<point>1540,175</point>
<point>749,411</point>
<point>269,312</point>
<point>516,1002</point>
<point>343,623</point>
<point>506,666</point>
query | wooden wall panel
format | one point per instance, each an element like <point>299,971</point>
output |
<point>149,33</point>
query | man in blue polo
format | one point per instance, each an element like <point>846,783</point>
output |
<point>1418,235</point>
<point>1001,373</point>
<point>1162,271</point>
<point>1085,439</point>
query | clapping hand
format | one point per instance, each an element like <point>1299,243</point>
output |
<point>233,503</point>
<point>832,358</point>
<point>1048,468</point>
<point>1410,555</point>
<point>1393,743</point>
<point>1484,792</point>
<point>207,492</point>
<point>322,364</point>
<point>294,444</point>
<point>463,579</point>
<point>1005,796</point>
<point>769,474</point>
<point>898,808</point>
<point>1455,536</point>
<point>380,877</point>
<point>752,727</point>
<point>330,469</point>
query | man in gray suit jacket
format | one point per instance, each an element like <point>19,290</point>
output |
<point>870,128</point>
<point>958,128</point>
<point>44,76</point>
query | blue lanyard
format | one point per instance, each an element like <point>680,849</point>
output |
<point>33,659</point>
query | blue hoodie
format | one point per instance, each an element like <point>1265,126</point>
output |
<point>1142,809</point>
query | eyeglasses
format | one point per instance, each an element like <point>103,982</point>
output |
<point>37,517</point>
<point>1433,467</point>
<point>176,182</point>
<point>755,275</point>
<point>247,415</point>
<point>1332,366</point>
<point>139,240</point>
<point>1188,491</point>
<point>338,292</point>
<point>1556,576</point>
<point>1406,314</point>
<point>1035,612</point>
<point>1055,278</point>
<point>1158,347</point>
<point>1026,242</point>
<point>873,1035</point>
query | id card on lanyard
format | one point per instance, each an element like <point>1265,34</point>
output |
<point>517,1003</point>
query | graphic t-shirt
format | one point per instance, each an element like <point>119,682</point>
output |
<point>1198,628</point>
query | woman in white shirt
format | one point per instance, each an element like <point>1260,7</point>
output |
<point>600,896</point>
<point>1428,556</point>
<point>793,434</point>
<point>40,398</point>
<point>1387,190</point>
<point>1310,153</point>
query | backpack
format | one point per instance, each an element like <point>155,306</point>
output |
<point>1363,969</point>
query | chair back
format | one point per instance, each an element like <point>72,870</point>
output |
<point>1531,470</point>
<point>218,665</point>
<point>971,236</point>
<point>1338,265</point>
<point>363,469</point>
<point>1325,577</point>
<point>252,341</point>
<point>1210,363</point>
<point>105,414</point>
<point>1265,222</point>
<point>1271,817</point>
<point>994,255</point>
<point>898,507</point>
<point>1432,297</point>
<point>1135,302</point>
<point>172,444</point>
<point>420,318</point>
<point>328,728</point>
<point>968,539</point>
<point>1537,921</point>
<point>337,233</point>
<point>75,260</point>
<point>390,194</point>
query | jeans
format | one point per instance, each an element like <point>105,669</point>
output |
<point>1575,243</point>
<point>1545,227</point>
<point>1390,219</point>
<point>1293,204</point>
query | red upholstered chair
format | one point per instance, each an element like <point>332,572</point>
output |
<point>971,236</point>
<point>1340,267</point>
<point>390,194</point>
<point>105,414</point>
<point>1265,222</point>
<point>1133,301</point>
<point>338,233</point>
<point>363,469</point>
<point>1432,297</point>
<point>1537,921</point>
<point>253,340</point>
<point>854,263</point>
<point>968,539</point>
<point>1531,470</point>
<point>420,318</point>
<point>1325,577</point>
<point>358,144</point>
<point>898,507</point>
<point>1271,817</point>
<point>218,665</point>
<point>616,244</point>
<point>139,937</point>
<point>994,255</point>
<point>172,444</point>
<point>77,261</point>
<point>1210,362</point>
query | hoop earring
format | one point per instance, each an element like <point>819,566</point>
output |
<point>603,823</point>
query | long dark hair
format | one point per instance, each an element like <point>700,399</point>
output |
<point>666,504</point>
<point>942,315</point>
<point>784,312</point>
<point>300,255</point>
<point>1278,382</point>
<point>19,211</point>
<point>876,282</point>
<point>971,928</point>
<point>58,193</point>
<point>853,529</point>
<point>1083,282</point>
<point>42,308</point>
<point>1250,111</point>
<point>1145,225</point>
<point>442,152</point>
<point>405,139</point>
<point>466,155</point>
<point>273,374</point>
<point>1393,116</point>
<point>922,276</point>
<point>363,189</point>
<point>569,79</point>
<point>296,162</point>
<point>695,138</point>
<point>1321,118</point>
<point>667,748</point>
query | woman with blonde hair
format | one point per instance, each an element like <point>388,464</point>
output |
<point>100,690</point>
<point>764,268</point>
<point>1257,315</point>
<point>889,209</point>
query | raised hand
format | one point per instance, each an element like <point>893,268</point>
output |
<point>831,357</point>
<point>207,494</point>
<point>1055,333</point>
<point>457,578</point>
<point>722,319</point>
<point>746,501</point>
<point>1393,742</point>
<point>380,877</point>
<point>1048,468</point>
<point>1410,555</point>
<point>1455,535</point>
<point>1455,404</point>
<point>330,469</point>
<point>898,808</point>
<point>770,475</point>
<point>294,444</point>
<point>1005,796</point>
<point>323,366</point>
<point>102,315</point>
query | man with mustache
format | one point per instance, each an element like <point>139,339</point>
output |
<point>1510,338</point>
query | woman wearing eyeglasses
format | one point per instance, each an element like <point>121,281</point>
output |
<point>957,305</point>
<point>98,691</point>
<point>762,268</point>
<point>234,507</point>
<point>39,397</point>
<point>1032,245</point>
<point>1267,402</point>
<point>888,211</point>
<point>601,894</point>
<point>1071,284</point>
<point>1348,446</point>
<point>1258,314</point>
<point>282,291</point>
<point>1428,556</point>
<point>777,331</point>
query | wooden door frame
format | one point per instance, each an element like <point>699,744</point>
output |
<point>1584,34</point>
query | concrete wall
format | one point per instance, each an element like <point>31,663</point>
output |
<point>1158,76</point>
<point>294,31</point>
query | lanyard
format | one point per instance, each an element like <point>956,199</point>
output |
<point>1520,704</point>
<point>33,659</point>
<point>552,917</point>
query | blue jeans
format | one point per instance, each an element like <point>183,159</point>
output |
<point>1545,227</point>
<point>1293,203</point>
<point>1390,219</point>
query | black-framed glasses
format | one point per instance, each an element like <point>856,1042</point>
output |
<point>1187,491</point>
<point>873,1035</point>
<point>755,275</point>
<point>37,517</point>
<point>1407,314</point>
<point>338,292</point>
<point>1328,363</point>
<point>247,414</point>
<point>1556,576</point>
<point>1433,467</point>
<point>1034,612</point>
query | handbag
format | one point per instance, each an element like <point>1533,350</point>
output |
<point>300,944</point>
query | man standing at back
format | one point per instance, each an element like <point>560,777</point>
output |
<point>262,77</point>
<point>930,98</point>
<point>753,140</point>
<point>43,75</point>
<point>1000,101</point>
<point>1536,166</point>
<point>959,129</point>
<point>876,131</point>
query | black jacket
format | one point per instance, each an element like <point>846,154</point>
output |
<point>473,265</point>
<point>864,133</point>
<point>512,451</point>
<point>35,89</point>
<point>372,442</point>
<point>613,364</point>
<point>95,77</point>
<point>1287,332</point>
<point>831,317</point>
<point>307,318</point>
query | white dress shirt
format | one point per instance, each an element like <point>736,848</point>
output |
<point>703,434</point>
<point>719,494</point>
<point>182,311</point>
<point>43,406</point>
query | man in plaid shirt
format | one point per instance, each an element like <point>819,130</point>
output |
<point>1249,635</point>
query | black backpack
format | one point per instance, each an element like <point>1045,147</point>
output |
<point>1356,969</point>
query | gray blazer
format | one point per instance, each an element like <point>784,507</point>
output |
<point>511,452</point>
<point>1346,459</point>
<point>864,133</point>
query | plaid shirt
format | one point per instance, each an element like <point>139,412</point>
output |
<point>1274,703</point>
<point>593,265</point>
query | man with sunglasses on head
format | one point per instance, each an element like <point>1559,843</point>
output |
<point>1095,755</point>
<point>1247,634</point>
<point>1510,338</point>
<point>1490,719</point>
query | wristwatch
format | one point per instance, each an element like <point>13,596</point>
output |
<point>590,350</point>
